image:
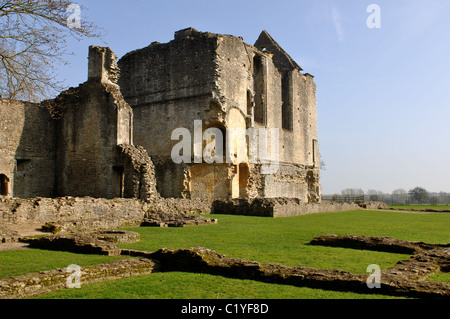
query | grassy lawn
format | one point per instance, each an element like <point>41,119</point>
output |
<point>283,240</point>
<point>178,285</point>
<point>20,262</point>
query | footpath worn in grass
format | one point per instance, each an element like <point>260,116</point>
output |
<point>282,240</point>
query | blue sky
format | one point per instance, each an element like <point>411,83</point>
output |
<point>383,94</point>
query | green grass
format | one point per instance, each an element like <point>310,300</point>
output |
<point>178,285</point>
<point>285,240</point>
<point>282,240</point>
<point>20,262</point>
<point>441,277</point>
<point>417,206</point>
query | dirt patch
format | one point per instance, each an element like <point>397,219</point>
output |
<point>26,230</point>
<point>11,235</point>
<point>13,246</point>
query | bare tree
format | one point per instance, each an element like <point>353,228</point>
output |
<point>352,191</point>
<point>375,195</point>
<point>399,196</point>
<point>33,38</point>
<point>399,191</point>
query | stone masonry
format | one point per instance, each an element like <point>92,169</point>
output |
<point>111,137</point>
<point>225,83</point>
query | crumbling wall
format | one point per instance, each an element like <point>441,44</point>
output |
<point>225,83</point>
<point>74,213</point>
<point>168,86</point>
<point>46,281</point>
<point>95,119</point>
<point>280,207</point>
<point>27,149</point>
<point>139,178</point>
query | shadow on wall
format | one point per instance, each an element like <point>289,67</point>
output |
<point>34,171</point>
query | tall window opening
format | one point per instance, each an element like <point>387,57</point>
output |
<point>249,103</point>
<point>259,74</point>
<point>287,110</point>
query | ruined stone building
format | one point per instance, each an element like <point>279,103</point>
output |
<point>112,136</point>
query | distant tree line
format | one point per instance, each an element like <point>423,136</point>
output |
<point>417,195</point>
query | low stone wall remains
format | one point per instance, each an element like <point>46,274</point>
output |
<point>46,281</point>
<point>286,207</point>
<point>86,213</point>
<point>407,278</point>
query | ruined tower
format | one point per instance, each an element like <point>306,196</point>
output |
<point>224,83</point>
<point>113,136</point>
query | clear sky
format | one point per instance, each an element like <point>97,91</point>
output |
<point>383,94</point>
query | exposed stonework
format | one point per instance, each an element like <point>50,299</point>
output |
<point>139,173</point>
<point>406,278</point>
<point>46,281</point>
<point>27,150</point>
<point>163,219</point>
<point>82,142</point>
<point>226,84</point>
<point>285,207</point>
<point>100,243</point>
<point>397,281</point>
<point>70,215</point>
<point>387,244</point>
<point>7,235</point>
<point>78,144</point>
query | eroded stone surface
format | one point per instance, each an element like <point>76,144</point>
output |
<point>387,244</point>
<point>7,235</point>
<point>400,281</point>
<point>46,281</point>
<point>161,219</point>
<point>101,243</point>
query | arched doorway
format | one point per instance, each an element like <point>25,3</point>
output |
<point>210,179</point>
<point>4,185</point>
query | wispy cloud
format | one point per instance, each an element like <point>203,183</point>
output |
<point>336,17</point>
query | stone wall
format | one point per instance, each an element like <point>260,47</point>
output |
<point>27,149</point>
<point>284,207</point>
<point>139,179</point>
<point>46,281</point>
<point>168,86</point>
<point>74,213</point>
<point>96,121</point>
<point>69,146</point>
<point>225,83</point>
<point>86,213</point>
